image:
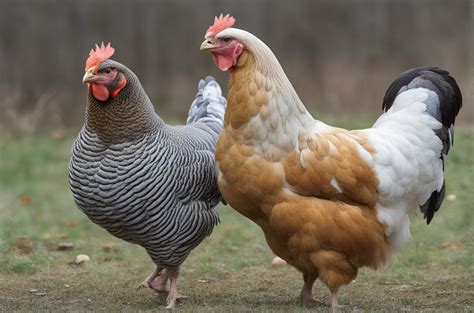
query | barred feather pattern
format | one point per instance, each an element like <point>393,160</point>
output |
<point>158,191</point>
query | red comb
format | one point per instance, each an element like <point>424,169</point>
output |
<point>98,55</point>
<point>220,23</point>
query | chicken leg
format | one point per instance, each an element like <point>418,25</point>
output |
<point>160,285</point>
<point>173,294</point>
<point>335,306</point>
<point>306,296</point>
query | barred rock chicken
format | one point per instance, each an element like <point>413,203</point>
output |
<point>329,200</point>
<point>143,181</point>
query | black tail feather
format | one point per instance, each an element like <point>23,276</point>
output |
<point>432,205</point>
<point>445,85</point>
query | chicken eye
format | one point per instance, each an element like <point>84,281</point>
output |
<point>227,39</point>
<point>107,71</point>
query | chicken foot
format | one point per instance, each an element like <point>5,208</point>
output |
<point>160,284</point>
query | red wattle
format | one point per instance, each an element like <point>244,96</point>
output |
<point>225,57</point>
<point>100,92</point>
<point>223,62</point>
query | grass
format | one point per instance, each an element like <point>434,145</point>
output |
<point>230,271</point>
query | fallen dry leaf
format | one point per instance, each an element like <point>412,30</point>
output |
<point>22,245</point>
<point>25,200</point>
<point>451,244</point>
<point>63,235</point>
<point>48,236</point>
<point>71,223</point>
<point>63,246</point>
<point>108,247</point>
<point>37,293</point>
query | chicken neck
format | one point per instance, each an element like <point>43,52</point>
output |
<point>263,107</point>
<point>126,117</point>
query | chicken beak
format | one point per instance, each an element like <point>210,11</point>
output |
<point>207,45</point>
<point>89,76</point>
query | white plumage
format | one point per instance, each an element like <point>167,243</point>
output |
<point>407,160</point>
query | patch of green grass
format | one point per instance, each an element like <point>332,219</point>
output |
<point>229,271</point>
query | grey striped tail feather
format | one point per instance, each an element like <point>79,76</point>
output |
<point>444,108</point>
<point>209,105</point>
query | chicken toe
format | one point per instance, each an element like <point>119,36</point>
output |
<point>150,278</point>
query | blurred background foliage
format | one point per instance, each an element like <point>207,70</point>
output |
<point>340,55</point>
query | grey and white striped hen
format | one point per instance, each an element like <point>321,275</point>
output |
<point>140,179</point>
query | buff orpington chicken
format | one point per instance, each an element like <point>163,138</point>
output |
<point>328,200</point>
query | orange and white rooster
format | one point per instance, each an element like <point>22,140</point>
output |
<point>329,200</point>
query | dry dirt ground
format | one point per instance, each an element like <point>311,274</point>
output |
<point>230,271</point>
